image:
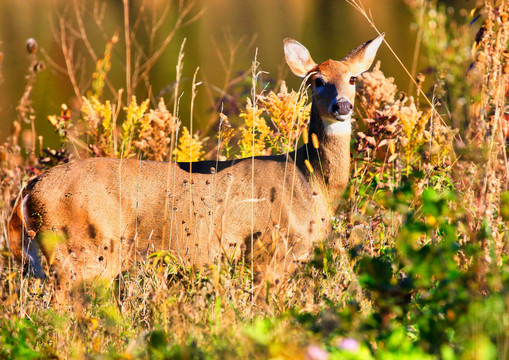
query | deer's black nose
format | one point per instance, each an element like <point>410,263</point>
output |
<point>342,107</point>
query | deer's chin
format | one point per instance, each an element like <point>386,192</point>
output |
<point>340,125</point>
<point>337,118</point>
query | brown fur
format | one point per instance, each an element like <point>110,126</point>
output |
<point>95,217</point>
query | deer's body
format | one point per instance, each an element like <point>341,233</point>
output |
<point>95,217</point>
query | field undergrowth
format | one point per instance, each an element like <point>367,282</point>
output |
<point>418,266</point>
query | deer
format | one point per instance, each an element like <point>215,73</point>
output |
<point>96,217</point>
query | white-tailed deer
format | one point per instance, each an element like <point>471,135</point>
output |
<point>95,217</point>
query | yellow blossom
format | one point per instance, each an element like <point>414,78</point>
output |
<point>255,132</point>
<point>189,147</point>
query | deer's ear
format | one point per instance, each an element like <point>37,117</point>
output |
<point>298,58</point>
<point>361,58</point>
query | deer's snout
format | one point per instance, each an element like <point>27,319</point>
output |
<point>340,108</point>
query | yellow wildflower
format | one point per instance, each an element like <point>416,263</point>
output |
<point>255,133</point>
<point>189,148</point>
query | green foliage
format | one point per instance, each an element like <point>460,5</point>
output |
<point>504,205</point>
<point>18,339</point>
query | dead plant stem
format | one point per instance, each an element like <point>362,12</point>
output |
<point>127,35</point>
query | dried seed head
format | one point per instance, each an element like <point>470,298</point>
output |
<point>223,120</point>
<point>39,66</point>
<point>314,140</point>
<point>308,165</point>
<point>32,46</point>
<point>212,170</point>
<point>420,78</point>
<point>305,135</point>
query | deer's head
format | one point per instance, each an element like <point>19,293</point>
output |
<point>332,82</point>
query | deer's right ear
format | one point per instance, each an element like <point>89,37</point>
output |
<point>298,58</point>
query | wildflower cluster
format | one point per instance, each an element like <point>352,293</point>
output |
<point>189,147</point>
<point>98,124</point>
<point>62,123</point>
<point>256,133</point>
<point>288,112</point>
<point>156,130</point>
<point>134,114</point>
<point>146,130</point>
<point>396,129</point>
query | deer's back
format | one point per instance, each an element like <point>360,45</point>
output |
<point>103,212</point>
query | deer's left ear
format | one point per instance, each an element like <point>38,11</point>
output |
<point>361,58</point>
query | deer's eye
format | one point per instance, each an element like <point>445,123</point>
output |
<point>352,80</point>
<point>319,83</point>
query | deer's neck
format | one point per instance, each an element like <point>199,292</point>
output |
<point>331,162</point>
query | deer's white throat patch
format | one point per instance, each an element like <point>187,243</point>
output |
<point>338,127</point>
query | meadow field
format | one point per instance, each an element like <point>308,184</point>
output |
<point>418,265</point>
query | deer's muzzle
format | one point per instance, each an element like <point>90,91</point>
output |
<point>340,108</point>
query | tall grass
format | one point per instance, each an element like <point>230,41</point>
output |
<point>417,267</point>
